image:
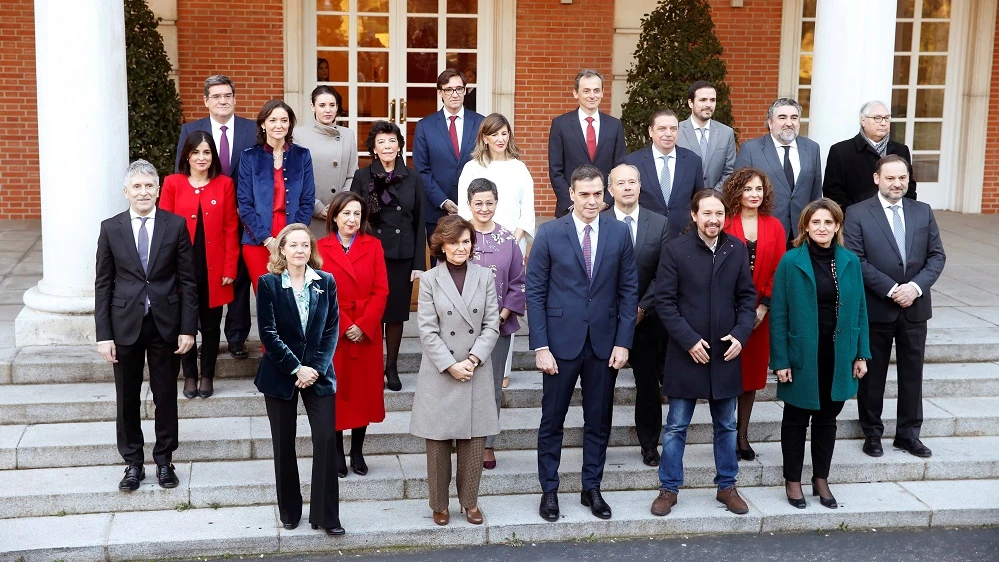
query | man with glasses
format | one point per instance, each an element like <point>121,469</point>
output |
<point>850,165</point>
<point>443,145</point>
<point>232,135</point>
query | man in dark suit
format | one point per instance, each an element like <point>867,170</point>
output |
<point>670,174</point>
<point>792,162</point>
<point>145,299</point>
<point>232,134</point>
<point>648,233</point>
<point>443,145</point>
<point>714,142</point>
<point>901,256</point>
<point>850,164</point>
<point>582,295</point>
<point>583,136</point>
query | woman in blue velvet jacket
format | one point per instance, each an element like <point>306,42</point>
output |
<point>275,188</point>
<point>298,318</point>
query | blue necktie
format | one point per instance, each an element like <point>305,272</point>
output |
<point>898,229</point>
<point>665,181</point>
<point>704,142</point>
<point>628,221</point>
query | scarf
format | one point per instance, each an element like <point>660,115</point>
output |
<point>881,146</point>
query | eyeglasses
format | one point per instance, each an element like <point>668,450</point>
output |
<point>879,118</point>
<point>217,97</point>
<point>460,90</point>
<point>483,204</point>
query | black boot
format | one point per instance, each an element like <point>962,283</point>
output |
<point>357,463</point>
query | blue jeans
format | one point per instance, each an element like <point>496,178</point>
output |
<point>675,440</point>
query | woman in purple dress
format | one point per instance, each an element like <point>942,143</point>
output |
<point>496,248</point>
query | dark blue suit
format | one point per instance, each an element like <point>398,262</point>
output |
<point>243,136</point>
<point>580,320</point>
<point>688,178</point>
<point>567,151</point>
<point>433,158</point>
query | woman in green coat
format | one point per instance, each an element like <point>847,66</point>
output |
<point>819,350</point>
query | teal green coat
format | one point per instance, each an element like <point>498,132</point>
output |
<point>794,327</point>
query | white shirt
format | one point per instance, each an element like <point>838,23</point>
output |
<point>459,123</point>
<point>596,122</point>
<point>515,206</point>
<point>580,226</point>
<point>217,135</point>
<point>634,217</point>
<point>136,224</point>
<point>793,156</point>
<point>707,130</point>
<point>890,215</point>
<point>660,159</point>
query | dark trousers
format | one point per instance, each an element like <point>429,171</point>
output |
<point>597,383</point>
<point>795,423</point>
<point>910,347</point>
<point>237,313</point>
<point>646,360</point>
<point>209,324</point>
<point>283,417</point>
<point>431,228</point>
<point>163,368</point>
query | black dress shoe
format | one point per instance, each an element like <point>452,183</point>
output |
<point>593,500</point>
<point>872,447</point>
<point>913,447</point>
<point>337,531</point>
<point>392,377</point>
<point>358,465</point>
<point>134,473</point>
<point>291,526</point>
<point>650,456</point>
<point>796,502</point>
<point>746,454</point>
<point>190,388</point>
<point>238,351</point>
<point>166,476</point>
<point>549,506</point>
<point>829,502</point>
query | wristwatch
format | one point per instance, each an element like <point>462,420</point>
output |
<point>475,363</point>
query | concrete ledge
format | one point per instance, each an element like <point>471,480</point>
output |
<point>76,538</point>
<point>956,503</point>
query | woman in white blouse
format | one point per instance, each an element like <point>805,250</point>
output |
<point>497,158</point>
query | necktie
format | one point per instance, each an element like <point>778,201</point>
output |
<point>587,251</point>
<point>591,139</point>
<point>224,151</point>
<point>629,222</point>
<point>143,247</point>
<point>704,142</point>
<point>665,181</point>
<point>788,170</point>
<point>454,137</point>
<point>899,231</point>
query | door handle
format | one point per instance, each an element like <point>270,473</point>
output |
<point>402,103</point>
<point>392,108</point>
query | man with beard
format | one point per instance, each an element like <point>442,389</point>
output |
<point>791,161</point>
<point>706,300</point>
<point>713,141</point>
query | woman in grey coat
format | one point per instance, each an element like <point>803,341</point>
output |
<point>458,318</point>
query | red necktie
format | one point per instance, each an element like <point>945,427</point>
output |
<point>591,138</point>
<point>454,137</point>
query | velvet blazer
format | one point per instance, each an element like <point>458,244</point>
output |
<point>255,190</point>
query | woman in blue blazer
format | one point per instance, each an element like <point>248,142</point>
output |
<point>819,343</point>
<point>298,318</point>
<point>276,186</point>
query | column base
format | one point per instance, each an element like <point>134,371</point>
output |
<point>55,320</point>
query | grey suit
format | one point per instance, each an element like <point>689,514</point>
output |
<point>868,234</point>
<point>789,201</point>
<point>719,162</point>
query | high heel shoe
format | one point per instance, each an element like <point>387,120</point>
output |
<point>190,388</point>
<point>489,464</point>
<point>392,375</point>
<point>206,387</point>
<point>473,516</point>
<point>331,531</point>
<point>358,465</point>
<point>829,502</point>
<point>746,454</point>
<point>796,502</point>
<point>442,517</point>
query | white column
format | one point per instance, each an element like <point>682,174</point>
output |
<point>853,61</point>
<point>82,153</point>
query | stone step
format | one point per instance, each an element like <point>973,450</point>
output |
<point>240,438</point>
<point>62,364</point>
<point>509,519</point>
<point>76,490</point>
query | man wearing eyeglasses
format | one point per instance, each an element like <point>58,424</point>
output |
<point>443,145</point>
<point>850,165</point>
<point>232,134</point>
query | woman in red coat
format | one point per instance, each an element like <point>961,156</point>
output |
<point>207,199</point>
<point>355,259</point>
<point>749,196</point>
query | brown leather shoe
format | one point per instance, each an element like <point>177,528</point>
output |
<point>663,504</point>
<point>442,517</point>
<point>473,516</point>
<point>730,497</point>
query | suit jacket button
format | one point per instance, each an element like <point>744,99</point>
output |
<point>379,231</point>
<point>586,321</point>
<point>336,164</point>
<point>449,313</point>
<point>471,331</point>
<point>452,333</point>
<point>399,208</point>
<point>451,352</point>
<point>475,310</point>
<point>397,231</point>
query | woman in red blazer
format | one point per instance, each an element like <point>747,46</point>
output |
<point>207,200</point>
<point>357,262</point>
<point>749,196</point>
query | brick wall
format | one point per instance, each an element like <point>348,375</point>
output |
<point>246,44</point>
<point>20,197</point>
<point>990,187</point>
<point>555,41</point>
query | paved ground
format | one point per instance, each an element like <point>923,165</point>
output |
<point>934,545</point>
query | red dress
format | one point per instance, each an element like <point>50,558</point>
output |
<point>361,290</point>
<point>770,246</point>
<point>256,257</point>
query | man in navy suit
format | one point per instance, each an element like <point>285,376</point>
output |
<point>443,145</point>
<point>582,299</point>
<point>791,161</point>
<point>232,134</point>
<point>670,174</point>
<point>583,136</point>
